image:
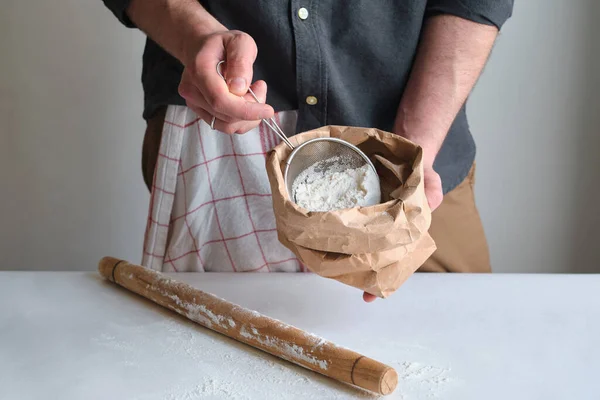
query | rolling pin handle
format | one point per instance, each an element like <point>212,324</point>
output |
<point>114,269</point>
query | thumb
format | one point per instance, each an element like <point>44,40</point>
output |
<point>433,189</point>
<point>241,52</point>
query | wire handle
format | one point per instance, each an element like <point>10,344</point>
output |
<point>271,123</point>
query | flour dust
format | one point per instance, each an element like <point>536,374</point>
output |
<point>333,185</point>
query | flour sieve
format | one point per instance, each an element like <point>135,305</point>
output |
<point>319,150</point>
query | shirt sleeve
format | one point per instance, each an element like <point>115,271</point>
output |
<point>488,12</point>
<point>118,7</point>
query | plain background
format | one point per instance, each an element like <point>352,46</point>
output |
<point>71,134</point>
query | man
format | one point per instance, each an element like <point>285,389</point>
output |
<point>405,66</point>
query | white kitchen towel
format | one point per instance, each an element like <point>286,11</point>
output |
<point>210,206</point>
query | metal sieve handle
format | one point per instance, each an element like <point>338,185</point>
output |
<point>271,123</point>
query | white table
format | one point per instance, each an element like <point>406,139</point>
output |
<point>74,336</point>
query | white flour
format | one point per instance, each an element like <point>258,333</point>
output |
<point>178,360</point>
<point>288,350</point>
<point>175,359</point>
<point>421,380</point>
<point>330,185</point>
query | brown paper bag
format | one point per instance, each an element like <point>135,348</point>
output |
<point>377,273</point>
<point>372,248</point>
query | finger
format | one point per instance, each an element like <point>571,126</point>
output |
<point>216,92</point>
<point>434,199</point>
<point>260,90</point>
<point>203,115</point>
<point>244,127</point>
<point>227,104</point>
<point>236,128</point>
<point>186,88</point>
<point>241,128</point>
<point>222,126</point>
<point>433,189</point>
<point>194,99</point>
<point>241,53</point>
<point>368,297</point>
<point>191,94</point>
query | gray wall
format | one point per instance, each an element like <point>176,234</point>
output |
<point>70,105</point>
<point>70,136</point>
<point>535,115</point>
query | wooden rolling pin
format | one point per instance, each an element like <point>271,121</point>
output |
<point>252,328</point>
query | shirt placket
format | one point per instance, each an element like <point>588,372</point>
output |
<point>311,79</point>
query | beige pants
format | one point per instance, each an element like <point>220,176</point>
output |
<point>458,233</point>
<point>456,226</point>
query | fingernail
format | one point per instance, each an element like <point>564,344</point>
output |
<point>237,85</point>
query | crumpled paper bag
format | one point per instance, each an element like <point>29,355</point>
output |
<point>372,248</point>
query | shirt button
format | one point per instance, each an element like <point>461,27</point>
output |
<point>303,13</point>
<point>311,100</point>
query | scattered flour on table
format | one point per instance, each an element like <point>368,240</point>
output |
<point>177,360</point>
<point>417,380</point>
<point>331,185</point>
<point>428,378</point>
<point>174,359</point>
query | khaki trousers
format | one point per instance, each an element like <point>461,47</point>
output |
<point>458,233</point>
<point>456,226</point>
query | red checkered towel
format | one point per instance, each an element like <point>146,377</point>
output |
<point>210,207</point>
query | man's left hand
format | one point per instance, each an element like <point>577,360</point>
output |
<point>434,194</point>
<point>433,188</point>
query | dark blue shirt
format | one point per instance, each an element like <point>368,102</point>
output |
<point>353,56</point>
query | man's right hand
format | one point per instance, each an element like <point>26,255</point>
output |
<point>188,32</point>
<point>207,94</point>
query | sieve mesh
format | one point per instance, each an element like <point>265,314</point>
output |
<point>312,151</point>
<point>321,149</point>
